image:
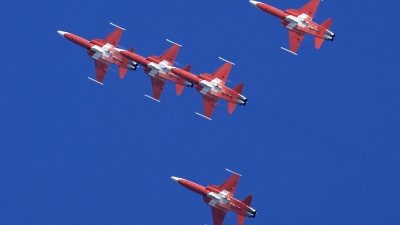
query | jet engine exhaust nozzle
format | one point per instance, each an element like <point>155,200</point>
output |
<point>188,84</point>
<point>241,97</point>
<point>251,212</point>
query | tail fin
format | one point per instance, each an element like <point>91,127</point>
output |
<point>179,87</point>
<point>123,69</point>
<point>232,105</point>
<point>318,40</point>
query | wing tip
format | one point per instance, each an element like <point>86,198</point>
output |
<point>232,172</point>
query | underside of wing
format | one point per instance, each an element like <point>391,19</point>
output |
<point>101,70</point>
<point>218,215</point>
<point>158,86</point>
<point>223,72</point>
<point>209,104</point>
<point>295,40</point>
<point>310,8</point>
<point>230,184</point>
<point>114,37</point>
<point>170,54</point>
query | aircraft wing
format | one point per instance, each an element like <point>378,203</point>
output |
<point>295,40</point>
<point>310,8</point>
<point>222,73</point>
<point>114,37</point>
<point>158,86</point>
<point>209,104</point>
<point>230,184</point>
<point>101,70</point>
<point>218,215</point>
<point>170,54</point>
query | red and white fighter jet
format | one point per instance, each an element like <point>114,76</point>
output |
<point>212,87</point>
<point>299,22</point>
<point>158,68</point>
<point>221,199</point>
<point>103,53</point>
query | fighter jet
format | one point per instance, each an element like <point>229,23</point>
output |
<point>103,53</point>
<point>212,87</point>
<point>158,68</point>
<point>221,199</point>
<point>299,22</point>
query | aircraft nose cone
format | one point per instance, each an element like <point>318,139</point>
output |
<point>254,3</point>
<point>175,178</point>
<point>61,33</point>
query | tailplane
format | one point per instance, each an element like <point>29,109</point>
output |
<point>327,23</point>
<point>250,212</point>
<point>329,35</point>
<point>232,105</point>
<point>179,87</point>
<point>127,64</point>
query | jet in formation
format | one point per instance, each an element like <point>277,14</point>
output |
<point>211,86</point>
<point>159,69</point>
<point>299,22</point>
<point>221,199</point>
<point>103,53</point>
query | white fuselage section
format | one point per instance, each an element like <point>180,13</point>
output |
<point>102,52</point>
<point>161,67</point>
<point>210,86</point>
<point>296,21</point>
<point>220,198</point>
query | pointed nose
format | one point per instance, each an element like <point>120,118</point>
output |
<point>254,3</point>
<point>175,178</point>
<point>61,33</point>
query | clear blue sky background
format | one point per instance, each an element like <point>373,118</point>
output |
<point>318,142</point>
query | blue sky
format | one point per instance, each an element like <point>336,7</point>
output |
<point>318,142</point>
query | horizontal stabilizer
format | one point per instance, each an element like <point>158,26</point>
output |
<point>187,68</point>
<point>241,219</point>
<point>239,88</point>
<point>122,72</point>
<point>247,200</point>
<point>318,42</point>
<point>232,105</point>
<point>180,87</point>
<point>327,23</point>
